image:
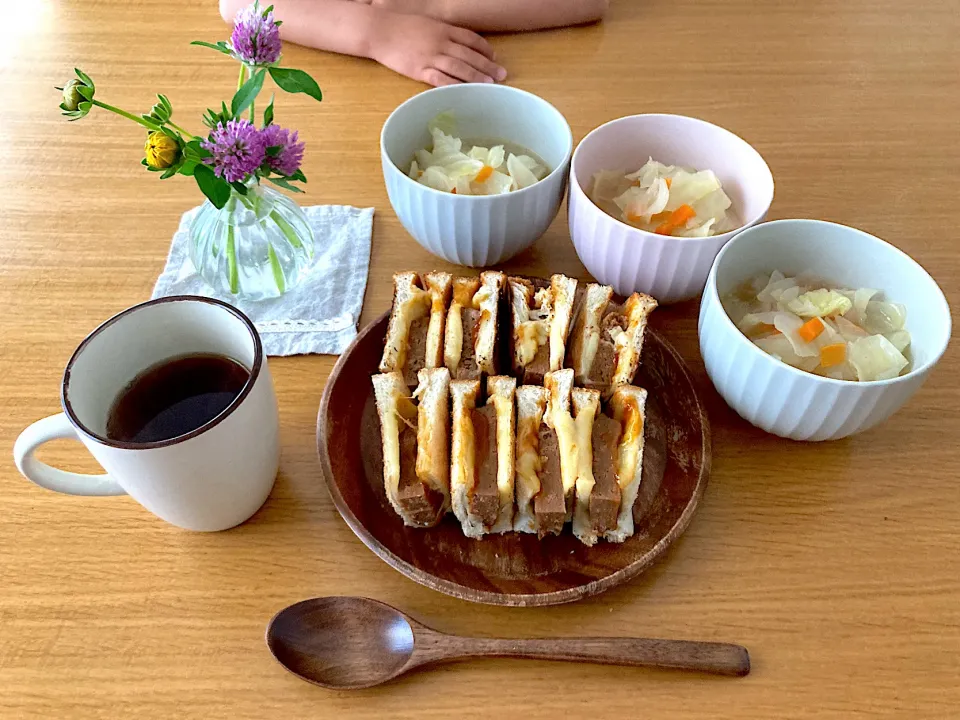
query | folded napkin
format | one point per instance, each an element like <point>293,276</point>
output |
<point>319,315</point>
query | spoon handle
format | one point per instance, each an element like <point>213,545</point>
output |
<point>708,657</point>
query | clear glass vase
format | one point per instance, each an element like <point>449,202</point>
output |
<point>258,246</point>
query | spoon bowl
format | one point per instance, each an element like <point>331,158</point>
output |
<point>349,643</point>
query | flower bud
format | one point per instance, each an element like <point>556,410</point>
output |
<point>71,96</point>
<point>161,150</point>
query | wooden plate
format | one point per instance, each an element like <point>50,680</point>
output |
<point>515,568</point>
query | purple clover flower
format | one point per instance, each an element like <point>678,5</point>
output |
<point>288,160</point>
<point>237,150</point>
<point>256,37</point>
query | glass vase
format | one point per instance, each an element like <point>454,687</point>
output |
<point>258,246</point>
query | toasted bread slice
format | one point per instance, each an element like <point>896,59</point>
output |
<point>470,341</point>
<point>628,403</point>
<point>531,405</point>
<point>559,386</point>
<point>415,467</point>
<point>607,338</point>
<point>540,324</point>
<point>500,392</point>
<point>586,406</point>
<point>415,329</point>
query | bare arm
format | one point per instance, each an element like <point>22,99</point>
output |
<point>503,15</point>
<point>417,46</point>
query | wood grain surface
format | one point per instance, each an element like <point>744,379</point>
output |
<point>515,569</point>
<point>837,565</point>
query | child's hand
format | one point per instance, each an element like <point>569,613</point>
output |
<point>431,51</point>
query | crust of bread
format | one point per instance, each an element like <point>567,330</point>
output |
<point>387,389</point>
<point>487,301</point>
<point>586,405</point>
<point>564,290</point>
<point>637,308</point>
<point>410,301</point>
<point>462,477</point>
<point>531,405</point>
<point>585,336</point>
<point>439,285</point>
<point>559,385</point>
<point>521,300</point>
<point>628,403</point>
<point>500,391</point>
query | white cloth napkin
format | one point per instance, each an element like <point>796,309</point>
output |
<point>319,315</point>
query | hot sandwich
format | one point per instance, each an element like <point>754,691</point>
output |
<point>540,322</point>
<point>415,331</point>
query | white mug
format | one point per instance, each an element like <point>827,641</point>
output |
<point>211,478</point>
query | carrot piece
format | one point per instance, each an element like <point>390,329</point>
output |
<point>834,354</point>
<point>454,191</point>
<point>669,182</point>
<point>811,329</point>
<point>661,217</point>
<point>665,228</point>
<point>682,214</point>
<point>485,172</point>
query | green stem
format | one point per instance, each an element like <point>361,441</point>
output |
<point>243,76</point>
<point>253,119</point>
<point>232,262</point>
<point>179,129</point>
<point>285,228</point>
<point>149,124</point>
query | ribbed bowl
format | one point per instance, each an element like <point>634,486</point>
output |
<point>477,231</point>
<point>789,402</point>
<point>671,269</point>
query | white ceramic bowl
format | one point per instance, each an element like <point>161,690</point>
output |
<point>789,402</point>
<point>671,269</point>
<point>476,231</point>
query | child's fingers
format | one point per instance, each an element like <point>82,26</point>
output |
<point>480,62</point>
<point>461,70</point>
<point>435,77</point>
<point>471,40</point>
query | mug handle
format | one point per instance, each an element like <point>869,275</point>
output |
<point>43,431</point>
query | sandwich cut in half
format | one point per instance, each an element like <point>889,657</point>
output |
<point>470,338</point>
<point>546,455</point>
<point>482,456</point>
<point>540,323</point>
<point>607,338</point>
<point>415,330</point>
<point>415,431</point>
<point>610,463</point>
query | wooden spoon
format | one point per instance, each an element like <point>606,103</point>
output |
<point>353,642</point>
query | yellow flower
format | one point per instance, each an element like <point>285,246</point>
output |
<point>161,150</point>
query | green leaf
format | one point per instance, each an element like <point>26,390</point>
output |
<point>268,113</point>
<point>84,107</point>
<point>278,23</point>
<point>282,182</point>
<point>220,46</point>
<point>169,172</point>
<point>295,81</point>
<point>298,175</point>
<point>239,187</point>
<point>85,92</point>
<point>274,150</point>
<point>170,133</point>
<point>188,166</point>
<point>216,189</point>
<point>84,78</point>
<point>165,101</point>
<point>267,11</point>
<point>247,93</point>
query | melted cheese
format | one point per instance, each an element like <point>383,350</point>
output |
<point>504,408</point>
<point>434,334</point>
<point>529,336</point>
<point>412,309</point>
<point>453,345</point>
<point>562,423</point>
<point>528,461</point>
<point>465,452</point>
<point>584,429</point>
<point>631,419</point>
<point>485,295</point>
<point>619,337</point>
<point>557,343</point>
<point>591,343</point>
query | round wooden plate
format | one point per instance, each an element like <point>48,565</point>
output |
<point>514,569</point>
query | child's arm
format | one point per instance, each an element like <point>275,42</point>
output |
<point>419,47</point>
<point>503,15</point>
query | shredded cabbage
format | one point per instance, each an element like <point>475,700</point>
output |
<point>665,199</point>
<point>834,332</point>
<point>474,170</point>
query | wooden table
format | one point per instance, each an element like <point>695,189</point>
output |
<point>838,564</point>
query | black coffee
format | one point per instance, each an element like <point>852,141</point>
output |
<point>175,397</point>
